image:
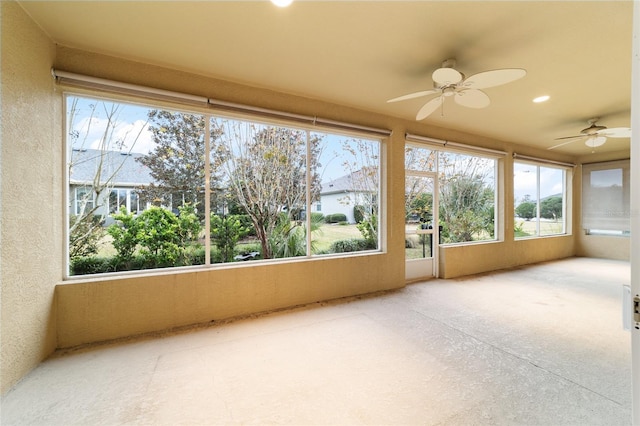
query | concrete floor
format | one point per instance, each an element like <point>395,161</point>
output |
<point>541,345</point>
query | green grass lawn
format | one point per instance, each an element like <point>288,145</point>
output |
<point>546,227</point>
<point>322,239</point>
<point>328,233</point>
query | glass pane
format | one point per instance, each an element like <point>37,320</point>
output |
<point>539,200</point>
<point>419,158</point>
<point>262,177</point>
<point>551,201</point>
<point>345,178</point>
<point>606,197</point>
<point>116,148</point>
<point>467,198</point>
<point>525,196</point>
<point>418,217</point>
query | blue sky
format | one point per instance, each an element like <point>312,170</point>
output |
<point>129,131</point>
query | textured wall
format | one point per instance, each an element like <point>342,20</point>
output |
<point>111,308</point>
<point>31,195</point>
<point>89,311</point>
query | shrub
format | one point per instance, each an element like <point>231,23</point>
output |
<point>158,235</point>
<point>369,230</point>
<point>226,231</point>
<point>91,265</point>
<point>358,213</point>
<point>347,246</point>
<point>124,233</point>
<point>86,233</point>
<point>317,217</point>
<point>335,218</point>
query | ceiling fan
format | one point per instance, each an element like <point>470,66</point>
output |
<point>595,136</point>
<point>448,82</point>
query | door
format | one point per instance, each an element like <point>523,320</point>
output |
<point>421,227</point>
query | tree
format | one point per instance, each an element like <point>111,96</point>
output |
<point>266,168</point>
<point>466,198</point>
<point>177,162</point>
<point>226,231</point>
<point>526,209</point>
<point>362,163</point>
<point>551,207</point>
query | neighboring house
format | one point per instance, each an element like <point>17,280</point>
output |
<point>119,172</point>
<point>341,195</point>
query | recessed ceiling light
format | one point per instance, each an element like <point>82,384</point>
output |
<point>282,3</point>
<point>540,99</point>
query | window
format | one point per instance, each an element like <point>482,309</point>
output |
<point>138,182</point>
<point>85,200</point>
<point>466,196</point>
<point>606,198</point>
<point>539,194</point>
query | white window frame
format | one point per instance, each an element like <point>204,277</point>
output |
<point>322,126</point>
<point>620,214</point>
<point>565,199</point>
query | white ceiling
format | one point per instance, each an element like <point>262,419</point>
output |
<point>361,53</point>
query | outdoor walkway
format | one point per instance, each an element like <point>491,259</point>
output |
<point>540,345</point>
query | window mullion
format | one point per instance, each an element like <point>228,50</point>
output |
<point>538,201</point>
<point>308,193</point>
<point>207,189</point>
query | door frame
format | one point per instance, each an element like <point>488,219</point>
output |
<point>413,265</point>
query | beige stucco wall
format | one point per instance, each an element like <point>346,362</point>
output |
<point>83,311</point>
<point>31,237</point>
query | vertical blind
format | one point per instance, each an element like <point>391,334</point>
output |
<point>606,194</point>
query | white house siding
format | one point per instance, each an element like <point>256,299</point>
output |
<point>338,203</point>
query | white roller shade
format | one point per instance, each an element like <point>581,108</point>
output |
<point>606,196</point>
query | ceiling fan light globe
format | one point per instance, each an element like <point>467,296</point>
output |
<point>446,76</point>
<point>595,141</point>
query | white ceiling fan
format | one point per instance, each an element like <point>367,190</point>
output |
<point>448,82</point>
<point>595,136</point>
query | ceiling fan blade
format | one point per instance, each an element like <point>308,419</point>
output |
<point>472,98</point>
<point>594,141</point>
<point>414,95</point>
<point>429,107</point>
<point>446,76</point>
<point>570,137</point>
<point>494,78</point>
<point>616,132</point>
<point>573,139</point>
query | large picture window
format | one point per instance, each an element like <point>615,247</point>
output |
<point>539,193</point>
<point>606,201</point>
<point>466,196</point>
<point>148,189</point>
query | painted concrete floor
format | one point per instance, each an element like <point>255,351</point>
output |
<point>541,345</point>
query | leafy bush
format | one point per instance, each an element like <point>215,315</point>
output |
<point>124,233</point>
<point>358,213</point>
<point>158,235</point>
<point>351,245</point>
<point>85,234</point>
<point>369,230</point>
<point>317,217</point>
<point>226,231</point>
<point>91,265</point>
<point>335,218</point>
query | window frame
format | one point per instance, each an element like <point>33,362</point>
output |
<point>566,208</point>
<point>208,114</point>
<point>625,166</point>
<point>443,147</point>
